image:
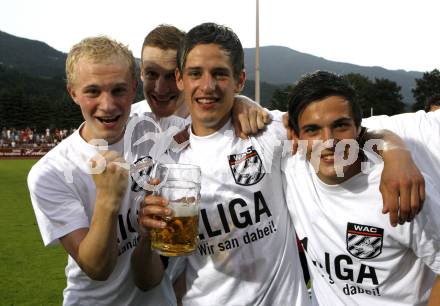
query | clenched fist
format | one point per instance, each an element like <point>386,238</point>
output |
<point>111,179</point>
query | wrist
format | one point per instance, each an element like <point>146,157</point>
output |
<point>109,202</point>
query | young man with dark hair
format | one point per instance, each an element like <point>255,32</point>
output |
<point>247,253</point>
<point>163,98</point>
<point>353,254</point>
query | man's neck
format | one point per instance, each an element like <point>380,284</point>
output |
<point>182,111</point>
<point>201,130</point>
<point>348,173</point>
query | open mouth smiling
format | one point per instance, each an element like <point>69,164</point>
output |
<point>108,119</point>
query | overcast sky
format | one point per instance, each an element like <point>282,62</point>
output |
<point>394,34</point>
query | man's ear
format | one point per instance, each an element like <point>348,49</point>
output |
<point>142,75</point>
<point>291,135</point>
<point>241,81</point>
<point>134,86</point>
<point>72,93</point>
<point>179,79</point>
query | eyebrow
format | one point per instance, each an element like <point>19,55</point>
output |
<point>92,86</point>
<point>153,65</point>
<point>214,70</point>
<point>312,125</point>
<point>221,69</point>
<point>315,125</point>
<point>342,120</point>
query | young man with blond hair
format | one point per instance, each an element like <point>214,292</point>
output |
<point>80,191</point>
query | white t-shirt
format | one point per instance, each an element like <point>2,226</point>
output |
<point>421,133</point>
<point>247,254</point>
<point>63,197</point>
<point>140,108</point>
<point>354,255</point>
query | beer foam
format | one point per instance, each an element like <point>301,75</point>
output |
<point>181,209</point>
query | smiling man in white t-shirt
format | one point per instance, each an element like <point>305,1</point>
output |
<point>247,253</point>
<point>354,255</point>
<point>86,207</point>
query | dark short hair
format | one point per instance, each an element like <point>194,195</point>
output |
<point>165,37</point>
<point>212,33</point>
<point>432,100</point>
<point>318,86</point>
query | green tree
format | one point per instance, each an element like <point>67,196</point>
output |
<point>386,98</point>
<point>279,99</point>
<point>427,86</point>
<point>381,96</point>
<point>364,88</point>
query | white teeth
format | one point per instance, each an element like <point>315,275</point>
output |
<point>108,119</point>
<point>206,100</point>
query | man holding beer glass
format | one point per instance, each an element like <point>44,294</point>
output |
<point>80,191</point>
<point>180,185</point>
<point>246,253</point>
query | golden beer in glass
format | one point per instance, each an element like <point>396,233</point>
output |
<point>182,189</point>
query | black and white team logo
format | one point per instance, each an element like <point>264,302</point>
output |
<point>364,241</point>
<point>247,168</point>
<point>140,172</point>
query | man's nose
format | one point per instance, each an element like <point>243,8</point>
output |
<point>327,134</point>
<point>162,85</point>
<point>107,102</point>
<point>208,83</point>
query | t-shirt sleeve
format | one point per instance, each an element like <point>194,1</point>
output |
<point>58,209</point>
<point>276,127</point>
<point>272,142</point>
<point>426,229</point>
<point>418,126</point>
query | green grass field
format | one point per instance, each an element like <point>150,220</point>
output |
<point>30,274</point>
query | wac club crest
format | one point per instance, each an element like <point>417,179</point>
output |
<point>364,241</point>
<point>247,168</point>
<point>140,172</point>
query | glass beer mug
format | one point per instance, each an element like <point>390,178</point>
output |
<point>180,185</point>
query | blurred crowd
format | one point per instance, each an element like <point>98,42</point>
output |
<point>31,138</point>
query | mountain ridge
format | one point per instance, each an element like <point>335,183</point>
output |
<point>290,65</point>
<point>37,58</point>
<point>33,57</point>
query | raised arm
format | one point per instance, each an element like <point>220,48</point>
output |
<point>402,184</point>
<point>248,117</point>
<point>95,248</point>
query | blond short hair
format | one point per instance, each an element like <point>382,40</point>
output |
<point>98,49</point>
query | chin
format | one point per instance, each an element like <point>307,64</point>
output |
<point>164,113</point>
<point>163,110</point>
